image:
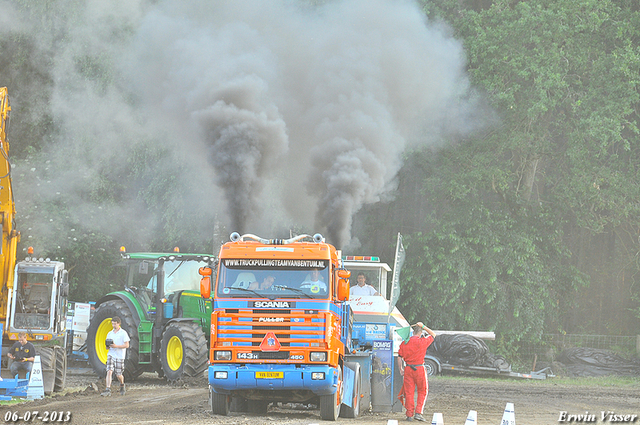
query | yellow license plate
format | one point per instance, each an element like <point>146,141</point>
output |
<point>269,375</point>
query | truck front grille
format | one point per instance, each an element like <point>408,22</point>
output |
<point>272,355</point>
<point>249,327</point>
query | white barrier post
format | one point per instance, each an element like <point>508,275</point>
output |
<point>437,419</point>
<point>35,389</point>
<point>509,416</point>
<point>472,418</point>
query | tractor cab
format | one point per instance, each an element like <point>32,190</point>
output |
<point>177,275</point>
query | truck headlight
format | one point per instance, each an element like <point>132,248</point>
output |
<point>318,356</point>
<point>222,355</point>
<point>220,375</point>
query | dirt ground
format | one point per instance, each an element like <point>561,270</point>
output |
<point>150,400</point>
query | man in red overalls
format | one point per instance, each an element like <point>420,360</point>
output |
<point>413,370</point>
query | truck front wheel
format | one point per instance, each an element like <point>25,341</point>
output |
<point>330,404</point>
<point>239,404</point>
<point>220,403</point>
<point>184,350</point>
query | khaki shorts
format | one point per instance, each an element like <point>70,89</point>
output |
<point>116,365</point>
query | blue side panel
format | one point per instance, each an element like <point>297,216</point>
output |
<point>349,378</point>
<point>366,333</point>
<point>346,325</point>
<point>359,332</point>
<point>382,365</point>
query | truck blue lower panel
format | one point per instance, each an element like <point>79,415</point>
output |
<point>293,377</point>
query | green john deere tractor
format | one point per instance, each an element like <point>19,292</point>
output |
<point>162,311</point>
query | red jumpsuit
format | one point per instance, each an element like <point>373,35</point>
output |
<point>413,353</point>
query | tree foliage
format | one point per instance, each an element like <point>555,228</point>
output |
<point>543,203</point>
<point>485,268</point>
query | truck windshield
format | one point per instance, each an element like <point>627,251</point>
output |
<point>242,279</point>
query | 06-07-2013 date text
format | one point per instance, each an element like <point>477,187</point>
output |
<point>36,416</point>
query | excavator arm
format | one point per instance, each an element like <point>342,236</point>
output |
<point>10,236</point>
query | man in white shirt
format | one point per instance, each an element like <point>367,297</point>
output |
<point>362,288</point>
<point>119,342</point>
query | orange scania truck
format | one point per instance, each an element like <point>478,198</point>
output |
<point>282,330</point>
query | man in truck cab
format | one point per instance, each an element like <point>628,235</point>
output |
<point>23,354</point>
<point>266,283</point>
<point>314,281</point>
<point>362,288</point>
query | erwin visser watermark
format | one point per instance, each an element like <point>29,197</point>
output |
<point>603,416</point>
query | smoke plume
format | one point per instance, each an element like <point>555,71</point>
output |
<point>285,114</point>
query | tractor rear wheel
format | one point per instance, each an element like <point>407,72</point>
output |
<point>183,351</point>
<point>97,331</point>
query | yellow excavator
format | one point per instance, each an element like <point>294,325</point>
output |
<point>33,292</point>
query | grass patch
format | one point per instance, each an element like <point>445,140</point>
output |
<point>11,402</point>
<point>599,381</point>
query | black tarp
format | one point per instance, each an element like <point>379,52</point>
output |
<point>465,350</point>
<point>583,361</point>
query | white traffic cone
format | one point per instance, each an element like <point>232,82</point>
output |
<point>509,416</point>
<point>437,419</point>
<point>472,418</point>
<point>35,389</point>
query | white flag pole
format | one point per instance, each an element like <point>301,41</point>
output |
<point>395,281</point>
